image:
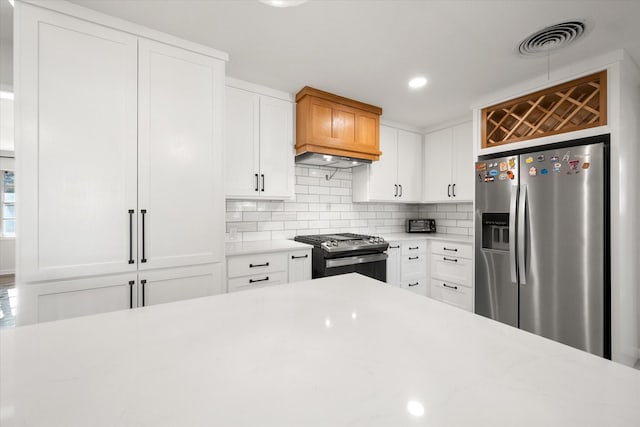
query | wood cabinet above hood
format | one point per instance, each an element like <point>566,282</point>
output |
<point>332,125</point>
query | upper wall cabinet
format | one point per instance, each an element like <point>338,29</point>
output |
<point>448,165</point>
<point>120,150</point>
<point>331,124</point>
<point>397,176</point>
<point>258,146</point>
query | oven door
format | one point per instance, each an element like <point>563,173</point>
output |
<point>371,265</point>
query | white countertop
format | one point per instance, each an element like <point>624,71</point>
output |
<point>397,237</point>
<point>339,351</point>
<point>260,247</point>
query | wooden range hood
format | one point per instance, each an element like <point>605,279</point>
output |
<point>335,131</point>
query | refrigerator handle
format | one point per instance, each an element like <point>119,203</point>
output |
<point>522,216</point>
<point>512,233</point>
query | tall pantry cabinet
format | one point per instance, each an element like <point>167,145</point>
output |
<point>119,161</point>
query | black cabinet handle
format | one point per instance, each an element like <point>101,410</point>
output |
<point>449,190</point>
<point>450,287</point>
<point>266,264</point>
<point>143,282</point>
<point>415,257</point>
<point>396,185</point>
<point>259,280</point>
<point>262,182</point>
<point>257,182</point>
<point>450,249</point>
<point>131,283</point>
<point>144,213</point>
<point>449,259</point>
<point>454,190</point>
<point>131,212</point>
<point>413,249</point>
<point>301,256</point>
<point>414,284</point>
<point>394,247</point>
<point>400,185</point>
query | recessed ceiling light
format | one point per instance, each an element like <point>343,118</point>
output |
<point>283,3</point>
<point>417,82</point>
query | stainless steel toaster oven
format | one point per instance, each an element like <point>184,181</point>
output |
<point>421,226</point>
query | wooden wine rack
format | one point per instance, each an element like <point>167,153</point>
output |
<point>578,104</point>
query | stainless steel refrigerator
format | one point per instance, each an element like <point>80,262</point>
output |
<point>541,234</point>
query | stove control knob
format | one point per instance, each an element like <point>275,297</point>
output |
<point>335,243</point>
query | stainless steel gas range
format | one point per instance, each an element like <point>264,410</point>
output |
<point>343,253</point>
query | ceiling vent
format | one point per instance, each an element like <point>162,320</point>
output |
<point>551,38</point>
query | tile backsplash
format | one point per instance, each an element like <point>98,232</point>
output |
<point>324,205</point>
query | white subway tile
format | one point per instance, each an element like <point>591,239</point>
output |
<point>302,171</point>
<point>233,216</point>
<point>446,207</point>
<point>241,205</point>
<point>346,199</point>
<point>270,225</point>
<point>302,189</point>
<point>340,191</point>
<point>240,227</point>
<point>340,223</point>
<point>464,223</point>
<point>348,215</point>
<point>307,198</point>
<point>296,207</point>
<point>293,225</point>
<point>329,199</point>
<point>329,215</point>
<point>285,216</point>
<point>447,223</point>
<point>358,223</point>
<point>319,224</point>
<point>465,207</point>
<point>456,215</point>
<point>307,180</point>
<point>316,189</point>
<point>308,215</point>
<point>256,235</point>
<point>256,216</point>
<point>283,235</point>
<point>270,206</point>
<point>367,215</point>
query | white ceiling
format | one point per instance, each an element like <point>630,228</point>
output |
<point>368,50</point>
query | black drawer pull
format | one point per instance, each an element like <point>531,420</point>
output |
<point>259,265</point>
<point>413,249</point>
<point>144,258</point>
<point>449,259</point>
<point>143,282</point>
<point>131,283</point>
<point>262,189</point>
<point>414,257</point>
<point>449,249</point>
<point>131,261</point>
<point>259,280</point>
<point>257,182</point>
<point>414,284</point>
<point>394,247</point>
<point>301,256</point>
<point>450,287</point>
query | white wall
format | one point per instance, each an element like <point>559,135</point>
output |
<point>325,206</point>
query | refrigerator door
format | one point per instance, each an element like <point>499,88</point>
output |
<point>561,244</point>
<point>496,290</point>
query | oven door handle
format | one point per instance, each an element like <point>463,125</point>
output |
<point>353,260</point>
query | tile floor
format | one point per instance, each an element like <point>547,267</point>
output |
<point>8,296</point>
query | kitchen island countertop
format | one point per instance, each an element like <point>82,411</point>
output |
<point>341,351</point>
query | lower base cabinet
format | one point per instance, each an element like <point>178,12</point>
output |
<point>255,271</point>
<point>407,265</point>
<point>49,301</point>
<point>452,274</point>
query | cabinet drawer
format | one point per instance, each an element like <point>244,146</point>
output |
<point>419,285</point>
<point>453,249</point>
<point>299,266</point>
<point>257,281</point>
<point>256,264</point>
<point>412,248</point>
<point>414,265</point>
<point>454,269</point>
<point>452,293</point>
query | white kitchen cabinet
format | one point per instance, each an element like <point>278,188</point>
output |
<point>76,157</point>
<point>176,284</point>
<point>120,162</point>
<point>299,266</point>
<point>451,273</point>
<point>259,145</point>
<point>179,192</point>
<point>407,265</point>
<point>397,176</point>
<point>448,165</point>
<point>265,269</point>
<point>65,299</point>
<point>393,264</point>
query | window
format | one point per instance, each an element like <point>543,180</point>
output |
<point>8,204</point>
